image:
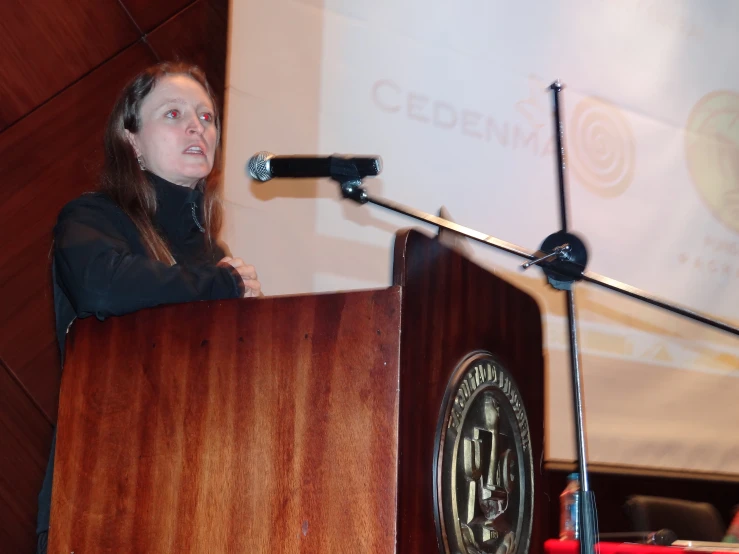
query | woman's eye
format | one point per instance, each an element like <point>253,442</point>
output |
<point>207,117</point>
<point>173,113</point>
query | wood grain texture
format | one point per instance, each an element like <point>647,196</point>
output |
<point>48,45</point>
<point>199,35</point>
<point>57,151</point>
<point>25,436</point>
<point>148,14</point>
<point>236,426</point>
<point>452,307</point>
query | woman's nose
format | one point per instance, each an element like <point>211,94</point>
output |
<point>195,126</point>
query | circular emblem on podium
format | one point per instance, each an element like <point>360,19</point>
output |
<point>483,465</point>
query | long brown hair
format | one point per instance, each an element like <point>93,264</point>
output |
<point>124,180</point>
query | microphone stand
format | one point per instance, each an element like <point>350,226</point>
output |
<point>563,258</point>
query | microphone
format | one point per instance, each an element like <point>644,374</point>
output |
<point>264,166</point>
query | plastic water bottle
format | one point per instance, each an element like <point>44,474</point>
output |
<point>569,516</point>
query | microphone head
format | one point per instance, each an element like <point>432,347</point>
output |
<point>259,166</point>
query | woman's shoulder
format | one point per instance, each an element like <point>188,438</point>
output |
<point>88,201</point>
<point>92,209</point>
<point>91,206</point>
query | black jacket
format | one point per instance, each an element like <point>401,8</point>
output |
<point>101,268</point>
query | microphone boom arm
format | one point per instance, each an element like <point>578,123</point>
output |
<point>354,189</point>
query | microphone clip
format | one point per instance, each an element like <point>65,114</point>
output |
<point>344,172</point>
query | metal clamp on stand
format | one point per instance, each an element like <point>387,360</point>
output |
<point>344,172</point>
<point>563,258</point>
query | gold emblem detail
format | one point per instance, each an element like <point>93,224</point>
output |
<point>484,464</point>
<point>712,152</point>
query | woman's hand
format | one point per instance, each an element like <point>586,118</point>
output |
<point>252,286</point>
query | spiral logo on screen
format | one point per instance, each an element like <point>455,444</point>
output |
<point>712,153</point>
<point>602,147</point>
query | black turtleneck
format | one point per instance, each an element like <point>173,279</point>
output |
<point>179,218</point>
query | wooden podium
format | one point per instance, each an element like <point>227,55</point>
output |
<point>289,424</point>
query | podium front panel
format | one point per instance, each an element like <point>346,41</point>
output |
<point>257,425</point>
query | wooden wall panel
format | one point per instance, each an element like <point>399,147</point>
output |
<point>48,45</point>
<point>60,145</point>
<point>148,14</point>
<point>197,35</point>
<point>25,436</point>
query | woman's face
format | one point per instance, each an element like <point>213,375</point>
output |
<point>177,138</point>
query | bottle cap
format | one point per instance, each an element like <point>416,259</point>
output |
<point>573,476</point>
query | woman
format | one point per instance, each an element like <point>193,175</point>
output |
<point>148,237</point>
